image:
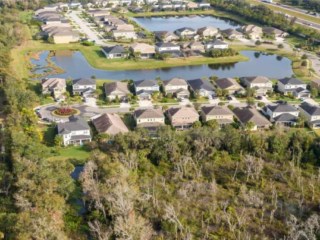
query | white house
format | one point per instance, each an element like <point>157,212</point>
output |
<point>82,86</point>
<point>311,113</point>
<point>293,86</point>
<point>76,131</point>
<point>163,47</point>
<point>201,87</point>
<point>284,114</point>
<point>216,44</point>
<point>176,86</point>
<point>124,34</point>
<point>149,118</point>
<point>145,88</point>
<point>261,84</point>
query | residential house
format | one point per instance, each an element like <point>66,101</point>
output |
<point>252,31</point>
<point>182,117</point>
<point>171,48</point>
<point>207,32</point>
<point>117,51</point>
<point>83,86</point>
<point>293,86</point>
<point>222,114</point>
<point>60,33</point>
<point>178,87</point>
<point>216,44</point>
<point>124,34</point>
<point>144,50</point>
<point>201,87</point>
<point>250,115</point>
<point>284,114</point>
<point>273,32</point>
<point>196,46</point>
<point>204,5</point>
<point>116,90</point>
<point>232,34</point>
<point>145,88</point>
<point>54,86</point>
<point>311,113</point>
<point>150,118</point>
<point>76,131</point>
<point>109,123</point>
<point>192,6</point>
<point>229,84</point>
<point>261,84</point>
<point>315,83</point>
<point>165,36</point>
<point>186,32</point>
<point>98,13</point>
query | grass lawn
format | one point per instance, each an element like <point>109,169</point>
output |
<point>317,132</point>
<point>288,11</point>
<point>78,154</point>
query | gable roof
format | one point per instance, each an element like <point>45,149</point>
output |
<point>231,31</point>
<point>203,29</point>
<point>217,42</point>
<point>225,83</point>
<point>75,124</point>
<point>185,29</point>
<point>286,117</point>
<point>198,84</point>
<point>165,44</point>
<point>312,110</point>
<point>110,124</point>
<point>256,79</point>
<point>149,113</point>
<point>282,108</point>
<point>145,83</point>
<point>83,81</point>
<point>182,112</point>
<point>175,82</point>
<point>142,48</point>
<point>249,114</point>
<point>216,110</point>
<point>53,83</point>
<point>114,49</point>
<point>116,86</point>
<point>290,81</point>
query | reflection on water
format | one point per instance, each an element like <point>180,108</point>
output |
<point>273,66</point>
<point>173,23</point>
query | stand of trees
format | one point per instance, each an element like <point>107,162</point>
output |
<point>204,184</point>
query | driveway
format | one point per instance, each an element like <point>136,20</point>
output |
<point>85,27</point>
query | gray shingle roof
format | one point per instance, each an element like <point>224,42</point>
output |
<point>145,83</point>
<point>249,114</point>
<point>84,81</point>
<point>286,117</point>
<point>289,81</point>
<point>198,84</point>
<point>225,83</point>
<point>75,124</point>
<point>114,49</point>
<point>312,110</point>
<point>257,79</point>
<point>175,82</point>
<point>149,113</point>
<point>216,110</point>
<point>282,108</point>
<point>116,86</point>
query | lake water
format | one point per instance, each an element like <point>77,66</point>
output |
<point>273,66</point>
<point>173,23</point>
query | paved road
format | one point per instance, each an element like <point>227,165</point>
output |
<point>85,27</point>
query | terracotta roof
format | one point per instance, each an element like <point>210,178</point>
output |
<point>109,123</point>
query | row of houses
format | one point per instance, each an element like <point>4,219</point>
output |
<point>177,87</point>
<point>146,51</point>
<point>118,27</point>
<point>55,26</point>
<point>77,131</point>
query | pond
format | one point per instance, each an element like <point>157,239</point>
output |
<point>173,23</point>
<point>269,65</point>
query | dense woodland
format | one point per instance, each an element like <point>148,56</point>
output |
<point>204,183</point>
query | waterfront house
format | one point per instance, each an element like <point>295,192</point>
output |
<point>117,51</point>
<point>252,31</point>
<point>145,88</point>
<point>293,86</point>
<point>182,117</point>
<point>282,113</point>
<point>144,50</point>
<point>83,86</point>
<point>311,113</point>
<point>229,84</point>
<point>54,86</point>
<point>109,123</point>
<point>250,115</point>
<point>207,32</point>
<point>76,131</point>
<point>165,36</point>
<point>196,46</point>
<point>201,87</point>
<point>116,90</point>
<point>261,84</point>
<point>192,6</point>
<point>186,32</point>
<point>124,34</point>
<point>150,118</point>
<point>178,87</point>
<point>216,44</point>
<point>232,34</point>
<point>166,47</point>
<point>274,32</point>
<point>222,114</point>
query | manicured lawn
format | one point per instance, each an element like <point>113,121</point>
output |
<point>79,154</point>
